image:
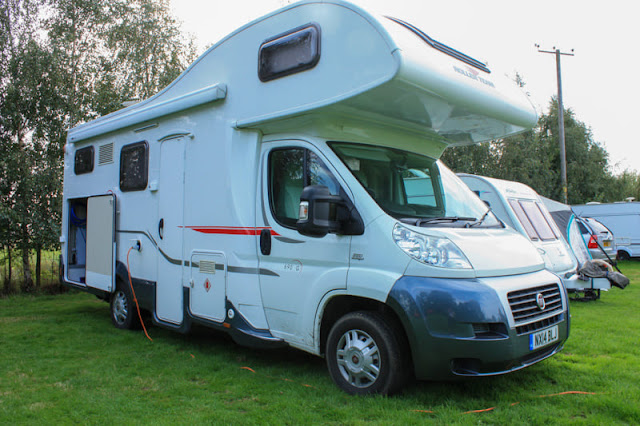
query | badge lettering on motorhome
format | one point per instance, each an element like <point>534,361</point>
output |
<point>473,74</point>
<point>293,266</point>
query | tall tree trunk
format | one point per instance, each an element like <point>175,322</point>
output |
<point>4,268</point>
<point>38,265</point>
<point>6,276</point>
<point>27,279</point>
<point>7,285</point>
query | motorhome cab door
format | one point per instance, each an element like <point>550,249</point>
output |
<point>100,242</point>
<point>296,271</point>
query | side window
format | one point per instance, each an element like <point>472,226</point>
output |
<point>535,222</point>
<point>83,161</point>
<point>290,53</point>
<point>134,165</point>
<point>319,174</point>
<point>290,170</point>
<point>538,220</point>
<point>523,219</point>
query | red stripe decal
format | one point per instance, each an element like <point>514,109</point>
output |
<point>230,230</point>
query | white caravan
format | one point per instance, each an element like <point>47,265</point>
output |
<point>286,189</point>
<point>521,208</point>
<point>623,219</point>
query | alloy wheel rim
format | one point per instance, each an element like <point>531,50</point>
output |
<point>120,307</point>
<point>358,358</point>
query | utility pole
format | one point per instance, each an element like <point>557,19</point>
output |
<point>563,155</point>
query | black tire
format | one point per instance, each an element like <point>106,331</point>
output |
<point>365,356</point>
<point>123,309</point>
<point>622,255</point>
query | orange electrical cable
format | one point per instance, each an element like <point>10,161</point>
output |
<point>569,393</point>
<point>479,411</point>
<point>135,299</point>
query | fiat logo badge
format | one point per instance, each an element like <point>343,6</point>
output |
<point>540,301</point>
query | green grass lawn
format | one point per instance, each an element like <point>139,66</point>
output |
<point>61,361</point>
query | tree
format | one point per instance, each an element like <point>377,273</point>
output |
<point>587,162</point>
<point>115,51</point>
<point>623,186</point>
<point>23,110</point>
<point>64,62</point>
<point>150,51</point>
<point>479,159</point>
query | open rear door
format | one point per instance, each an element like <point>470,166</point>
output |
<point>101,243</point>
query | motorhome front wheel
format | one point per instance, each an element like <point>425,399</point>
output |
<point>364,356</point>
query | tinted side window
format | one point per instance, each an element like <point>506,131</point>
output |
<point>290,53</point>
<point>538,220</point>
<point>286,167</point>
<point>83,161</point>
<point>134,165</point>
<point>319,174</point>
<point>290,170</point>
<point>523,219</point>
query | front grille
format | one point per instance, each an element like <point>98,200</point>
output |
<point>539,325</point>
<point>526,312</point>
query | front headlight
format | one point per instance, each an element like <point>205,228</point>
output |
<point>434,251</point>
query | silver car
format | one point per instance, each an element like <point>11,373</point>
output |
<point>599,239</point>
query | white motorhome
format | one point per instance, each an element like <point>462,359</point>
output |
<point>623,219</point>
<point>521,208</point>
<point>286,189</point>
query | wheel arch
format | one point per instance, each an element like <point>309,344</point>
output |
<point>342,304</point>
<point>122,275</point>
<point>623,254</point>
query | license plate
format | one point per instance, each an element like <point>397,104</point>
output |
<point>607,243</point>
<point>543,338</point>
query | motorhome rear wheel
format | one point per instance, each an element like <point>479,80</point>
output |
<point>123,310</point>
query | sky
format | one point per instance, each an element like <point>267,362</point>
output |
<point>599,84</point>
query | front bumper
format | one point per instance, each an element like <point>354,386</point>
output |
<point>466,327</point>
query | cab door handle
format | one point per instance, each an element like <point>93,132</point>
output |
<point>265,242</point>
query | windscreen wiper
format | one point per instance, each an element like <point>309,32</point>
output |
<point>451,219</point>
<point>479,222</point>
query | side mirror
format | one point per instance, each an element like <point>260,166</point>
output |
<point>318,213</point>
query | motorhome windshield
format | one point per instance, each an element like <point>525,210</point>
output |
<point>414,188</point>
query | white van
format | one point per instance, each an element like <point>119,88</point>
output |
<point>623,219</point>
<point>286,189</point>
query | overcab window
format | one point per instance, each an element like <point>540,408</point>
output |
<point>295,51</point>
<point>134,165</point>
